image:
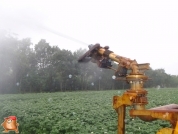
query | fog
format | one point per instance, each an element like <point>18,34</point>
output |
<point>143,30</point>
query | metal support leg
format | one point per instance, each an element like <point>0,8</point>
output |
<point>121,119</point>
<point>176,128</point>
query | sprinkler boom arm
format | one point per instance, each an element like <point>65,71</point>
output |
<point>102,56</point>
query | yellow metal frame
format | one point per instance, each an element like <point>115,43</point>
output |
<point>136,97</point>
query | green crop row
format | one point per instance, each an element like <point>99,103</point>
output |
<point>88,112</point>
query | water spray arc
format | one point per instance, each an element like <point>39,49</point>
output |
<point>63,35</point>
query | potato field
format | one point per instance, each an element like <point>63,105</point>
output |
<point>86,112</point>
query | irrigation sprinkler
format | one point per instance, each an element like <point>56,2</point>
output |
<point>136,96</point>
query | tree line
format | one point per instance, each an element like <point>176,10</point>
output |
<point>28,68</point>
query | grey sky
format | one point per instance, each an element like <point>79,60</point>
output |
<point>145,30</point>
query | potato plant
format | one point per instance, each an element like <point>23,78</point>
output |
<point>86,112</point>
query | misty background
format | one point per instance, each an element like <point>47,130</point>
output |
<point>142,30</point>
<point>47,68</point>
<point>35,35</point>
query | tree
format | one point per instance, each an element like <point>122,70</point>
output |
<point>49,69</point>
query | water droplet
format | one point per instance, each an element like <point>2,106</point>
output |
<point>17,83</point>
<point>158,87</point>
<point>92,84</point>
<point>70,76</point>
<point>119,92</point>
<point>27,75</point>
<point>113,77</point>
<point>50,99</point>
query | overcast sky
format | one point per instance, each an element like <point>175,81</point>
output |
<point>145,30</point>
